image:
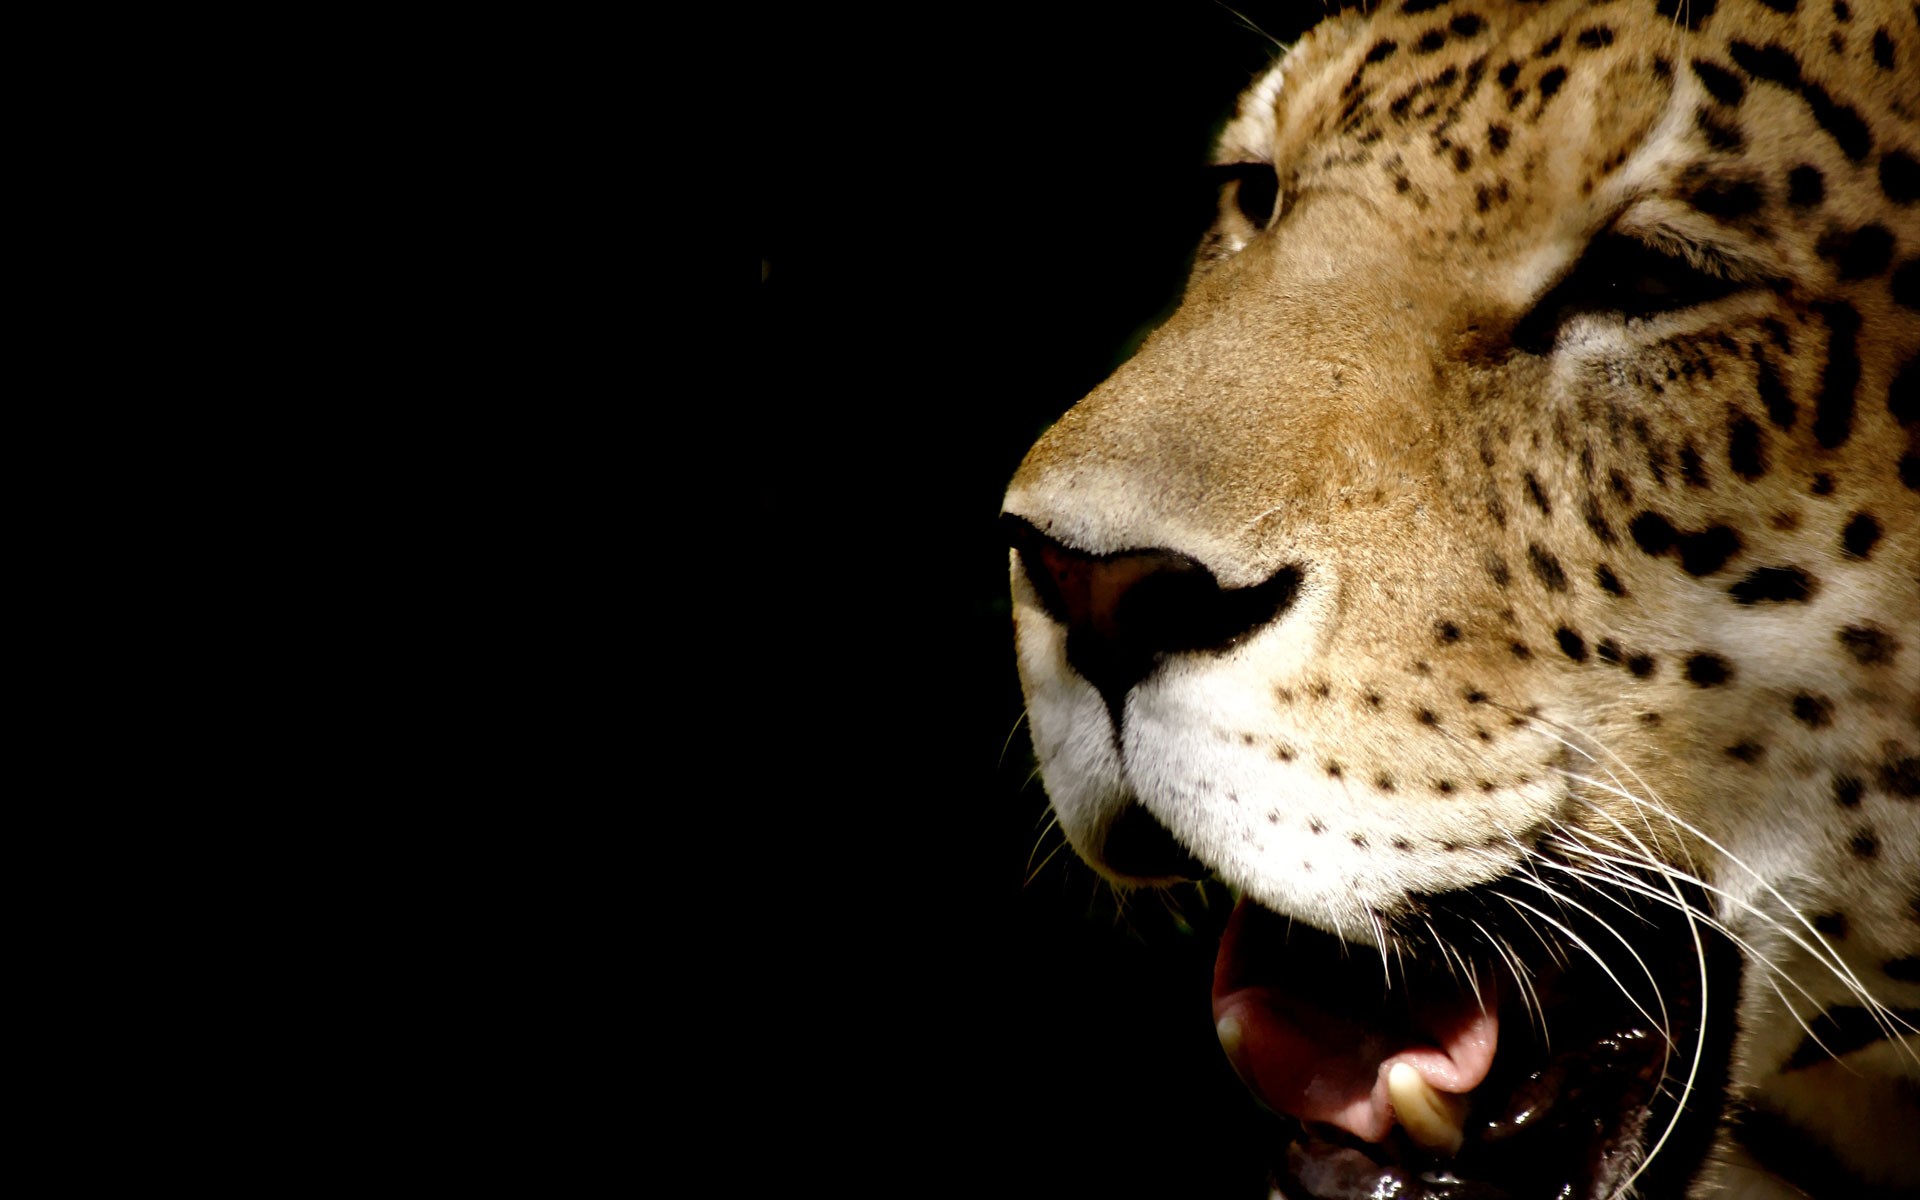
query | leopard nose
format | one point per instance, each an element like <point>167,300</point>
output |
<point>1127,611</point>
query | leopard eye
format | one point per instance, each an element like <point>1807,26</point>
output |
<point>1625,277</point>
<point>1254,189</point>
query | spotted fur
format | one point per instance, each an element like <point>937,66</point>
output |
<point>1553,566</point>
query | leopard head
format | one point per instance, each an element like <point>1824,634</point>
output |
<point>1503,572</point>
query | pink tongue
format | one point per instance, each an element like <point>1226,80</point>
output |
<point>1309,1048</point>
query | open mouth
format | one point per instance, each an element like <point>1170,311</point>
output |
<point>1565,1052</point>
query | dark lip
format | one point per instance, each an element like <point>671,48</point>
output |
<point>1583,1086</point>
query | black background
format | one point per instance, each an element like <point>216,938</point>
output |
<point>968,213</point>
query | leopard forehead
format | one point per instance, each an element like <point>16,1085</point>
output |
<point>1658,563</point>
<point>1513,122</point>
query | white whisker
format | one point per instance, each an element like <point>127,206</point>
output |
<point>1530,1000</point>
<point>1011,734</point>
<point>1660,1022</point>
<point>1819,950</point>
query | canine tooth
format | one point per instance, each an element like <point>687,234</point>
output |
<point>1433,1120</point>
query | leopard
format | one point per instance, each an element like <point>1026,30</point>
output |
<point>1501,574</point>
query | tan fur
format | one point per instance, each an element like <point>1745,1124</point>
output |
<point>1339,391</point>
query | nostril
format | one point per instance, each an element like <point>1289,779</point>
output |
<point>1138,597</point>
<point>1137,844</point>
<point>1127,610</point>
<point>1094,591</point>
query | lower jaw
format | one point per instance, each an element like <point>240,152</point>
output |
<point>1571,1128</point>
<point>1596,1097</point>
